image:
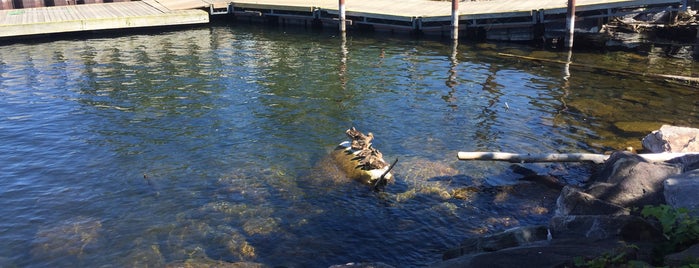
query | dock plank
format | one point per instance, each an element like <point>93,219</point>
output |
<point>74,18</point>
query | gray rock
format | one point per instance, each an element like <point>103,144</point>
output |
<point>636,182</point>
<point>672,139</point>
<point>510,238</point>
<point>686,257</point>
<point>572,201</point>
<point>681,191</point>
<point>601,227</point>
<point>539,254</point>
<point>688,162</point>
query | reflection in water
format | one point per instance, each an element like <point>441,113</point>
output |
<point>566,80</point>
<point>208,144</point>
<point>452,79</point>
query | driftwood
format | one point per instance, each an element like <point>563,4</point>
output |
<point>685,80</point>
<point>571,157</point>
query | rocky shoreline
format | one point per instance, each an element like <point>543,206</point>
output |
<point>604,222</point>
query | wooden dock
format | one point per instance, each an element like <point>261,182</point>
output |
<point>93,17</point>
<point>426,16</point>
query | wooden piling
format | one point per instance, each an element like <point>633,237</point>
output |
<point>6,4</point>
<point>455,19</point>
<point>343,25</point>
<point>570,23</point>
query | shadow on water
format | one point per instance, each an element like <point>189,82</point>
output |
<point>209,145</point>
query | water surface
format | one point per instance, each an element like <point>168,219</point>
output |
<point>210,144</point>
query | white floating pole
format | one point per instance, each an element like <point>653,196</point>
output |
<point>572,157</point>
<point>570,23</point>
<point>343,26</point>
<point>454,19</point>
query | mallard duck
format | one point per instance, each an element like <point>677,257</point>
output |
<point>359,140</point>
<point>371,159</point>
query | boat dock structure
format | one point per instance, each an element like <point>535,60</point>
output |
<point>511,20</point>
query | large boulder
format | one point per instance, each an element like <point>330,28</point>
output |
<point>672,139</point>
<point>631,181</point>
<point>573,201</point>
<point>681,191</point>
<point>602,227</point>
<point>511,238</point>
<point>684,258</point>
<point>556,253</point>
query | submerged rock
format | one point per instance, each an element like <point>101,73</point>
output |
<point>68,239</point>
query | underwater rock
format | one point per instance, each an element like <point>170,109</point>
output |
<point>636,126</point>
<point>146,257</point>
<point>209,263</point>
<point>69,238</point>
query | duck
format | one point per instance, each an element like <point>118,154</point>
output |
<point>359,140</point>
<point>368,156</point>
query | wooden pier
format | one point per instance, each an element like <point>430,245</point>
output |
<point>499,19</point>
<point>94,17</point>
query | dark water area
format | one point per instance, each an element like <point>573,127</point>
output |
<point>209,144</point>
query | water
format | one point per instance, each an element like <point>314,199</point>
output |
<point>209,144</point>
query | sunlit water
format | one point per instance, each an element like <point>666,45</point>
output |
<point>209,144</point>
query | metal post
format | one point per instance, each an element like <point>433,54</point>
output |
<point>343,60</point>
<point>570,23</point>
<point>455,19</point>
<point>343,26</point>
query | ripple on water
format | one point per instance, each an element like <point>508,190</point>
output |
<point>208,146</point>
